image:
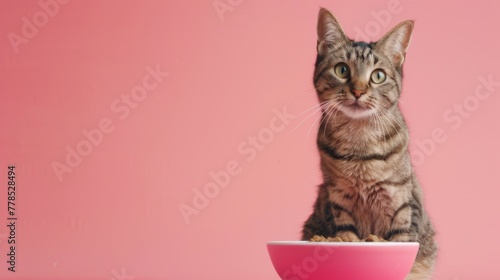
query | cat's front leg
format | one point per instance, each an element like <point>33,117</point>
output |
<point>402,229</point>
<point>345,227</point>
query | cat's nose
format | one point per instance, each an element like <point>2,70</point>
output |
<point>357,92</point>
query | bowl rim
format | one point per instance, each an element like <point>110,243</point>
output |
<point>354,244</point>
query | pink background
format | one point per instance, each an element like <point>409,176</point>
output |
<point>117,214</point>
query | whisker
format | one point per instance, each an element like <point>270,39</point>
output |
<point>382,126</point>
<point>398,122</point>
<point>312,108</point>
<point>317,110</point>
<point>390,118</point>
<point>333,108</point>
<point>328,109</point>
<point>312,125</point>
<point>326,118</point>
<point>328,106</point>
<point>300,95</point>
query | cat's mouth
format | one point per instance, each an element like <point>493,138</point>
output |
<point>355,105</point>
<point>356,109</point>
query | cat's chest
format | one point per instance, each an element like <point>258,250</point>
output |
<point>364,158</point>
<point>374,208</point>
<point>369,171</point>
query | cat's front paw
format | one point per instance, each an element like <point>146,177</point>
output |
<point>404,237</point>
<point>348,236</point>
<point>400,238</point>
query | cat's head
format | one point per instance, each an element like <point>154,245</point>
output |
<point>356,78</point>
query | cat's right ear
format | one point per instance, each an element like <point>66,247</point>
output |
<point>330,34</point>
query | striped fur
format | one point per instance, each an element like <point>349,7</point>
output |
<point>369,184</point>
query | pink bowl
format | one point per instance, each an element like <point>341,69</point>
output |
<point>297,260</point>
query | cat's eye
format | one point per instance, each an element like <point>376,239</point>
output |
<point>378,76</point>
<point>342,70</point>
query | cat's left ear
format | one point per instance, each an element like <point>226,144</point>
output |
<point>330,34</point>
<point>395,43</point>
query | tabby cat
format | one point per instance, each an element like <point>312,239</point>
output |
<point>369,186</point>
